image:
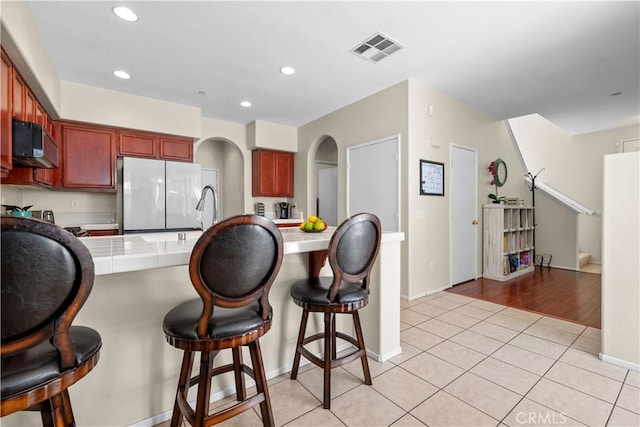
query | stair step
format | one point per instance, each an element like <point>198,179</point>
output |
<point>584,258</point>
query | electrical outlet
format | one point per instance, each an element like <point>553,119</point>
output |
<point>431,265</point>
<point>74,204</point>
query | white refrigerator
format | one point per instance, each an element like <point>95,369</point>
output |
<point>159,195</point>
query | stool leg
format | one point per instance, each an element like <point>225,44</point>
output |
<point>360,338</point>
<point>241,389</point>
<point>334,354</point>
<point>67,411</point>
<point>183,387</point>
<point>204,388</point>
<point>296,358</point>
<point>328,340</point>
<point>47,413</point>
<point>261,383</point>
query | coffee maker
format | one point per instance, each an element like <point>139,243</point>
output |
<point>284,210</point>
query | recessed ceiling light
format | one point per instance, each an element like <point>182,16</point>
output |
<point>202,92</point>
<point>245,104</point>
<point>288,71</point>
<point>125,13</point>
<point>121,74</point>
<point>616,94</point>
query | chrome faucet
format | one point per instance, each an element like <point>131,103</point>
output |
<point>200,205</point>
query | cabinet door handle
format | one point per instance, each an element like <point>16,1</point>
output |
<point>474,222</point>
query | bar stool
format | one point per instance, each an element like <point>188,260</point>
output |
<point>232,267</point>
<point>353,249</point>
<point>47,275</point>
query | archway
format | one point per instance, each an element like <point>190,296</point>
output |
<point>226,158</point>
<point>326,180</point>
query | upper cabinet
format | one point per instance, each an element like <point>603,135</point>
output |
<point>154,146</point>
<point>88,160</point>
<point>18,96</point>
<point>272,173</point>
<point>6,95</point>
<point>175,148</point>
<point>19,101</point>
<point>137,144</point>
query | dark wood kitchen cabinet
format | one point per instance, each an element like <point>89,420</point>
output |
<point>6,95</point>
<point>155,146</point>
<point>175,148</point>
<point>88,157</point>
<point>272,173</point>
<point>19,101</point>
<point>137,144</point>
<point>18,98</point>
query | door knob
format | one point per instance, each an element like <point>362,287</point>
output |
<point>474,222</point>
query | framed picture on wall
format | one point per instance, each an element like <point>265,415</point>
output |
<point>431,178</point>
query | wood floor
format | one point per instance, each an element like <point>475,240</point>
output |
<point>565,294</point>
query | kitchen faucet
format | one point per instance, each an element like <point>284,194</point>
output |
<point>200,205</point>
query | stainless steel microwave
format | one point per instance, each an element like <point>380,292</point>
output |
<point>33,146</point>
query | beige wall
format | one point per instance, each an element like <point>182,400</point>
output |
<point>401,110</point>
<point>24,45</point>
<point>556,232</point>
<point>573,165</point>
<point>273,136</point>
<point>379,115</point>
<point>428,218</point>
<point>620,269</point>
<point>101,106</point>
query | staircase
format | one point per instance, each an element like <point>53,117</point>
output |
<point>583,259</point>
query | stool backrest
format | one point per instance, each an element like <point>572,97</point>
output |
<point>47,275</point>
<point>234,264</point>
<point>353,249</point>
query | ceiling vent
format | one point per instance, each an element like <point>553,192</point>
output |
<point>376,48</point>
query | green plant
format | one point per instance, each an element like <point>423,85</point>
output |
<point>11,208</point>
<point>496,199</point>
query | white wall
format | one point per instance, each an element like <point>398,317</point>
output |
<point>621,252</point>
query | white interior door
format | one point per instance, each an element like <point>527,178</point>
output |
<point>328,193</point>
<point>373,181</point>
<point>464,214</point>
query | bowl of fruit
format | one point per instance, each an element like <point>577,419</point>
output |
<point>313,224</point>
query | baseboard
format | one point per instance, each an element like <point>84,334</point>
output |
<point>424,294</point>
<point>619,362</point>
<point>560,267</point>
<point>384,357</point>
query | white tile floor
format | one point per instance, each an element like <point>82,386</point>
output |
<point>467,362</point>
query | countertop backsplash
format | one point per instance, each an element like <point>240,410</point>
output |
<point>84,219</point>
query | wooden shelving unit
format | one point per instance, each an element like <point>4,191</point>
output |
<point>507,241</point>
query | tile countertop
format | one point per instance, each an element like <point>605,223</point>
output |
<point>134,252</point>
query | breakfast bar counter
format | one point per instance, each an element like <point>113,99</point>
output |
<point>139,278</point>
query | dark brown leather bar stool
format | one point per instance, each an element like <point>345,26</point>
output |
<point>232,267</point>
<point>47,275</point>
<point>353,249</point>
